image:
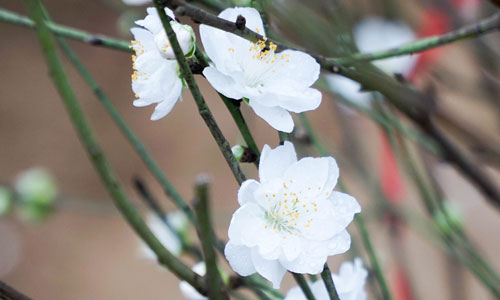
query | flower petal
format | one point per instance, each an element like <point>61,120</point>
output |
<point>253,20</point>
<point>279,118</point>
<point>274,162</point>
<point>239,258</point>
<point>344,208</point>
<point>272,270</point>
<point>223,84</point>
<point>349,89</point>
<point>292,100</point>
<point>309,175</point>
<point>246,191</point>
<point>294,69</point>
<point>247,225</point>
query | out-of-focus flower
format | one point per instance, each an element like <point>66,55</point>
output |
<point>350,284</point>
<point>292,220</point>
<point>5,200</point>
<point>36,186</point>
<point>156,78</point>
<point>168,237</point>
<point>187,290</point>
<point>136,2</point>
<point>376,34</point>
<point>272,83</point>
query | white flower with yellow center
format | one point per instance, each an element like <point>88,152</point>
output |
<point>292,220</point>
<point>156,77</point>
<point>273,83</point>
<point>349,283</point>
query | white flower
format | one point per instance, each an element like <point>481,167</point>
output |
<point>136,2</point>
<point>370,35</point>
<point>164,234</point>
<point>187,290</point>
<point>292,220</point>
<point>273,83</point>
<point>349,283</point>
<point>156,78</point>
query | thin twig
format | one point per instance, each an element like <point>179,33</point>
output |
<point>304,286</point>
<point>205,233</point>
<point>198,97</point>
<point>9,293</point>
<point>326,275</point>
<point>97,157</point>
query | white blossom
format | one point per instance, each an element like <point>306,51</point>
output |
<point>349,283</point>
<point>188,291</point>
<point>156,77</point>
<point>272,83</point>
<point>370,35</point>
<point>168,237</point>
<point>292,219</point>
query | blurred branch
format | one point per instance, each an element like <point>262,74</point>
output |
<point>9,293</point>
<point>470,31</point>
<point>68,32</point>
<point>204,228</point>
<point>198,97</point>
<point>97,157</point>
<point>301,281</point>
<point>326,275</point>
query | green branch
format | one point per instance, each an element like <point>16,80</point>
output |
<point>97,157</point>
<point>68,32</point>
<point>302,282</point>
<point>204,229</point>
<point>198,97</point>
<point>326,275</point>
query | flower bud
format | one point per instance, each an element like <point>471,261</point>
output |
<point>5,201</point>
<point>449,218</point>
<point>36,186</point>
<point>185,36</point>
<point>238,151</point>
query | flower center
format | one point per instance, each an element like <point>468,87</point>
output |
<point>163,45</point>
<point>290,211</point>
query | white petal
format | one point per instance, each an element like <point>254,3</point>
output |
<point>247,225</point>
<point>274,162</point>
<point>272,270</point>
<point>135,2</point>
<point>187,290</point>
<point>310,261</point>
<point>223,84</point>
<point>144,36</point>
<point>293,100</point>
<point>167,237</point>
<point>339,243</point>
<point>163,108</point>
<point>309,175</point>
<point>292,246</point>
<point>239,259</point>
<point>349,89</point>
<point>279,118</point>
<point>344,208</point>
<point>246,191</point>
<point>295,293</point>
<point>297,70</point>
<point>333,175</point>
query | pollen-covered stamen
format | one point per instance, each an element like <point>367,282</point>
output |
<point>289,212</point>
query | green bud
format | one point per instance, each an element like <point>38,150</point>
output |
<point>36,186</point>
<point>33,213</point>
<point>238,151</point>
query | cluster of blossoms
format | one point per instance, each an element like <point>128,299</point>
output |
<point>293,219</point>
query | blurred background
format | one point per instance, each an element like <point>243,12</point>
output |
<point>85,250</point>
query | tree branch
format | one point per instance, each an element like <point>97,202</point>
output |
<point>9,293</point>
<point>97,157</point>
<point>326,275</point>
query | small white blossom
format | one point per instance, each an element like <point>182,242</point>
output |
<point>36,186</point>
<point>164,234</point>
<point>349,283</point>
<point>187,290</point>
<point>273,83</point>
<point>292,219</point>
<point>156,77</point>
<point>370,35</point>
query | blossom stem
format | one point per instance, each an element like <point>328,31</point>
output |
<point>203,109</point>
<point>235,112</point>
<point>97,157</point>
<point>9,293</point>
<point>326,275</point>
<point>68,32</point>
<point>205,233</point>
<point>302,282</point>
